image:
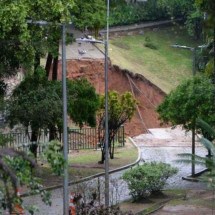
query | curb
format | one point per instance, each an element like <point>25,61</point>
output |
<point>193,178</point>
<point>92,176</point>
<point>154,208</point>
<point>143,25</point>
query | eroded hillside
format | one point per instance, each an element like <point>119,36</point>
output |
<point>147,94</point>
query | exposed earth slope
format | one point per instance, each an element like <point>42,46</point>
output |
<point>147,94</point>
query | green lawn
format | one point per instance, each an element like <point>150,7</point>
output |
<point>164,66</point>
<point>84,163</point>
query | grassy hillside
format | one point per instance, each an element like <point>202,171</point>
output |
<point>164,66</point>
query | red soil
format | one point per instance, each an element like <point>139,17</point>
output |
<point>148,95</point>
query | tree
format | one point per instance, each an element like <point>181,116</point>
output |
<point>16,171</point>
<point>120,109</point>
<point>23,44</point>
<point>33,97</point>
<point>192,99</point>
<point>37,104</point>
<point>89,14</point>
<point>208,7</point>
<point>83,102</point>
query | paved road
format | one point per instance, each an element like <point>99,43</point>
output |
<point>164,144</point>
<point>160,145</point>
<point>82,50</point>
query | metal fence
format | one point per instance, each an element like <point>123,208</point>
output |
<point>78,139</point>
<point>21,140</point>
<point>87,138</point>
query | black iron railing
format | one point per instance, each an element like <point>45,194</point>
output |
<point>78,139</point>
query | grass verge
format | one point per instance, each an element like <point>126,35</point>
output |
<point>84,163</point>
<point>180,200</point>
<point>152,56</point>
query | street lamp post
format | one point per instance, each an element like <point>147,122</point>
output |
<point>105,43</point>
<point>106,144</point>
<point>107,201</point>
<point>65,135</point>
<point>193,50</point>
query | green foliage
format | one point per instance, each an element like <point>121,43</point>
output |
<point>147,178</point>
<point>83,102</point>
<point>36,95</point>
<point>149,44</point>
<point>3,140</point>
<point>22,42</point>
<point>124,13</point>
<point>90,14</point>
<point>16,171</point>
<point>192,99</point>
<point>55,157</point>
<point>120,109</point>
<point>194,23</point>
<point>208,7</point>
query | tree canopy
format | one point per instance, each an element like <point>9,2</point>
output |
<point>89,14</point>
<point>21,41</point>
<point>37,104</point>
<point>192,99</point>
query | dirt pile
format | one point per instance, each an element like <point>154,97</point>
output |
<point>147,94</point>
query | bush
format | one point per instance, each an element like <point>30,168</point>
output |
<point>148,178</point>
<point>149,44</point>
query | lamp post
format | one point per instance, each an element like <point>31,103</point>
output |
<point>106,145</point>
<point>105,43</point>
<point>193,50</point>
<point>65,134</point>
<point>64,91</point>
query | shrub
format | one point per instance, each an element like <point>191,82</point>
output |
<point>148,178</point>
<point>149,44</point>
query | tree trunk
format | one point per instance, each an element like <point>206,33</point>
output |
<point>52,133</point>
<point>36,60</point>
<point>102,155</point>
<point>193,150</point>
<point>112,151</point>
<point>111,143</point>
<point>55,69</point>
<point>48,64</point>
<point>34,144</point>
